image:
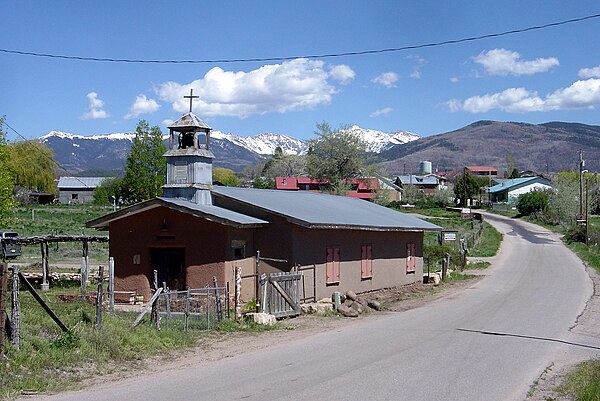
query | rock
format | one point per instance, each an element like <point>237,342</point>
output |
<point>374,304</point>
<point>323,307</point>
<point>434,278</point>
<point>342,298</point>
<point>308,308</point>
<point>348,303</point>
<point>318,307</point>
<point>264,318</point>
<point>347,311</point>
<point>362,301</point>
<point>351,295</point>
<point>324,301</point>
<point>357,307</point>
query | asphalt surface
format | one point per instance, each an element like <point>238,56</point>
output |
<point>490,341</point>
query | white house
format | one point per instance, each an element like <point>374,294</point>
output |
<point>508,190</point>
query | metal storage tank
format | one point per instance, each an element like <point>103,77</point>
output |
<point>425,167</point>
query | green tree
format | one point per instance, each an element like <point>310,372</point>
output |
<point>336,155</point>
<point>6,182</point>
<point>145,169</point>
<point>532,203</point>
<point>284,165</point>
<point>515,173</point>
<point>466,187</point>
<point>104,193</point>
<point>226,177</point>
<point>32,166</point>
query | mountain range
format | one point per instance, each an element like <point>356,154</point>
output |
<point>108,152</point>
<point>548,147</point>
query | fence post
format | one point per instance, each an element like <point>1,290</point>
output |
<point>83,279</point>
<point>218,300</point>
<point>168,303</point>
<point>15,318</point>
<point>263,293</point>
<point>111,283</point>
<point>186,311</point>
<point>99,297</point>
<point>238,293</point>
<point>45,266</point>
<point>3,285</point>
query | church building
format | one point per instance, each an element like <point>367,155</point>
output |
<point>196,231</point>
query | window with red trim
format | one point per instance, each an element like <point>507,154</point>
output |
<point>332,267</point>
<point>411,259</point>
<point>366,261</point>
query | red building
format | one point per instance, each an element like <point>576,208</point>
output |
<point>361,188</point>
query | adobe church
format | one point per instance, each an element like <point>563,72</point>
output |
<point>196,231</point>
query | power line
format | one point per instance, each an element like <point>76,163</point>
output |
<point>310,56</point>
<point>44,155</point>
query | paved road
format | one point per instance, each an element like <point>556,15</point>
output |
<point>488,342</point>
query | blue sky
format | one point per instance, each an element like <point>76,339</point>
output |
<point>546,75</point>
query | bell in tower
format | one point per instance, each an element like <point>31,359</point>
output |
<point>189,162</point>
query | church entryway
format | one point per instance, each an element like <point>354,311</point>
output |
<point>169,263</point>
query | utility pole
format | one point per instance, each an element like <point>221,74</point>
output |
<point>581,166</point>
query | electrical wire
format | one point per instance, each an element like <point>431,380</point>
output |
<point>310,56</point>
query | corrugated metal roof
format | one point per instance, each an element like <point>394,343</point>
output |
<point>418,179</point>
<point>189,120</point>
<point>80,182</point>
<point>208,212</point>
<point>325,211</point>
<point>513,183</point>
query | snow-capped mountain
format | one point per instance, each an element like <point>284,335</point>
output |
<point>264,144</point>
<point>109,151</point>
<point>378,141</point>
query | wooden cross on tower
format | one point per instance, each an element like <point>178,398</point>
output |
<point>191,97</point>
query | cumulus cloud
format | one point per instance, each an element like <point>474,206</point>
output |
<point>168,122</point>
<point>454,79</point>
<point>95,108</point>
<point>593,72</point>
<point>342,73</point>
<point>505,62</point>
<point>387,79</point>
<point>581,94</point>
<point>381,112</point>
<point>290,86</point>
<point>142,105</point>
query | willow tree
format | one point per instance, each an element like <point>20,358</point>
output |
<point>32,165</point>
<point>6,183</point>
<point>145,168</point>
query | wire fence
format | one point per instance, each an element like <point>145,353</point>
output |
<point>198,308</point>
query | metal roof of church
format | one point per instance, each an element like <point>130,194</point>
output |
<point>208,212</point>
<point>189,120</point>
<point>315,210</point>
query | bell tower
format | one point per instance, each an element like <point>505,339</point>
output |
<point>189,161</point>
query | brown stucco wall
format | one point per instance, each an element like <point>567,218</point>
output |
<point>207,246</point>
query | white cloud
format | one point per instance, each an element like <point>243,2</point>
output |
<point>168,122</point>
<point>381,112</point>
<point>581,94</point>
<point>387,79</point>
<point>95,108</point>
<point>290,86</point>
<point>142,105</point>
<point>505,62</point>
<point>342,73</point>
<point>593,72</point>
<point>454,79</point>
<point>419,63</point>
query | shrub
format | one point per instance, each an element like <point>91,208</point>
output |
<point>532,203</point>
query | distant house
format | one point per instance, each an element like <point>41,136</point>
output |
<point>196,232</point>
<point>508,190</point>
<point>361,188</point>
<point>482,170</point>
<point>428,184</point>
<point>76,190</point>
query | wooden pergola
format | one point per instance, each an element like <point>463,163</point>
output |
<point>45,240</point>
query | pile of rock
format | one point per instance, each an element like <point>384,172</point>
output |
<point>353,305</point>
<point>321,306</point>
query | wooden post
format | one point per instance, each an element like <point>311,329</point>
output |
<point>44,249</point>
<point>238,293</point>
<point>99,298</point>
<point>85,255</point>
<point>186,311</point>
<point>3,284</point>
<point>42,303</point>
<point>111,283</point>
<point>83,278</point>
<point>168,303</point>
<point>256,289</point>
<point>15,317</point>
<point>218,300</point>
